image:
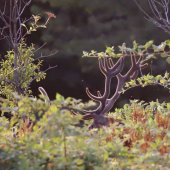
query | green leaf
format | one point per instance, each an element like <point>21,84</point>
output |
<point>148,44</point>
<point>59,97</point>
<point>53,108</point>
<point>159,47</point>
<point>168,43</point>
<point>24,25</point>
<point>141,46</point>
<point>139,51</point>
<point>135,45</point>
<point>79,161</point>
<point>149,56</point>
<point>164,54</point>
<point>122,48</point>
<point>168,60</point>
<point>162,81</point>
<point>166,75</point>
<point>106,155</point>
<point>168,106</point>
<point>131,50</point>
<point>24,165</point>
<point>158,141</point>
<point>153,145</point>
<point>109,51</point>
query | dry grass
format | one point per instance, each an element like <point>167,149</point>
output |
<point>163,123</point>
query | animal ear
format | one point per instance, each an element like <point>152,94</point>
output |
<point>99,119</point>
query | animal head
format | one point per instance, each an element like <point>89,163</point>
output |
<point>109,70</point>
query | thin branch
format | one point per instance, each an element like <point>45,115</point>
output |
<point>8,40</point>
<point>151,4</point>
<point>152,80</point>
<point>24,7</point>
<point>19,30</point>
<point>10,31</point>
<point>4,8</point>
<point>40,75</point>
<point>8,81</point>
<point>51,54</point>
<point>25,20</point>
<point>160,3</point>
<point>40,48</point>
<point>4,37</point>
<point>14,70</point>
<point>154,7</point>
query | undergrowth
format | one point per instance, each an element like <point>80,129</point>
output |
<point>56,141</point>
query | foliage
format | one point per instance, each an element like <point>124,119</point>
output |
<point>149,50</point>
<point>27,69</point>
<point>54,139</point>
<point>18,69</point>
<point>58,143</point>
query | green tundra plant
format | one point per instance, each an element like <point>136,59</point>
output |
<point>18,67</point>
<point>58,143</point>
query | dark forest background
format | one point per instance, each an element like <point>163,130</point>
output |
<point>85,25</point>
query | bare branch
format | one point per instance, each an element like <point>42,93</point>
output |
<point>8,81</point>
<point>40,75</point>
<point>165,25</point>
<point>24,7</point>
<point>40,48</point>
<point>51,54</point>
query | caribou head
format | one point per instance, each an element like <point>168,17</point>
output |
<point>109,69</point>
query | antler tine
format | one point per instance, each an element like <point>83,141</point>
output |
<point>109,73</point>
<point>43,92</point>
<point>131,74</point>
<point>133,59</point>
<point>99,94</point>
<point>114,71</point>
<point>97,111</point>
<point>135,74</point>
<point>84,117</point>
<point>101,66</point>
<point>87,117</point>
<point>135,67</point>
<point>111,62</point>
<point>139,61</point>
<point>99,98</point>
<point>74,113</point>
<point>106,64</point>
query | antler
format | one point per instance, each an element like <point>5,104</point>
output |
<point>43,92</point>
<point>110,70</point>
<point>130,75</point>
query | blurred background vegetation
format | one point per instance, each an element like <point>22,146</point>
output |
<point>85,25</point>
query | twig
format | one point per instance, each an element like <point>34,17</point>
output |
<point>24,7</point>
<point>8,81</point>
<point>153,5</point>
<point>152,80</point>
<point>40,75</point>
<point>40,48</point>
